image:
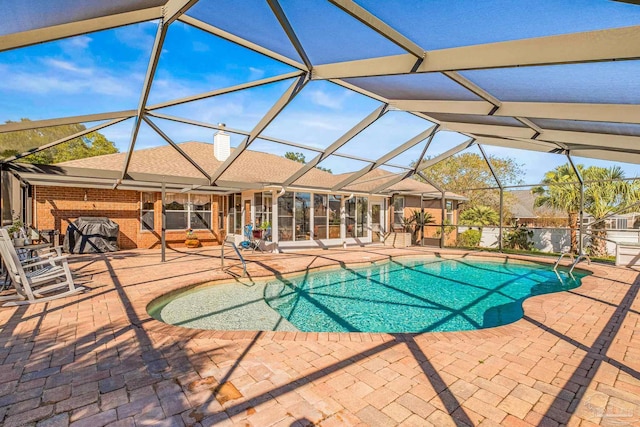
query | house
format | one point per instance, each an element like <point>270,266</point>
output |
<point>250,191</point>
<point>521,204</point>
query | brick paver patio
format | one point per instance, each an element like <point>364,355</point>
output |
<point>99,359</point>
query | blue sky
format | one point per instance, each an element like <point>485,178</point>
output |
<point>104,71</point>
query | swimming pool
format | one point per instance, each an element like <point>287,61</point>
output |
<point>401,295</point>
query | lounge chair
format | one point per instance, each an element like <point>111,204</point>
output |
<point>32,278</point>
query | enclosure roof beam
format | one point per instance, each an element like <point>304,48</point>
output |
<point>449,153</point>
<point>348,136</point>
<point>424,150</point>
<point>241,42</point>
<point>227,90</point>
<point>264,137</point>
<point>35,124</point>
<point>280,104</point>
<point>56,32</point>
<point>173,9</point>
<point>161,33</point>
<point>390,155</point>
<point>394,181</point>
<point>589,46</point>
<point>616,113</point>
<point>490,130</point>
<point>381,27</point>
<point>289,31</point>
<point>493,172</point>
<point>474,88</point>
<point>61,140</point>
<point>176,147</point>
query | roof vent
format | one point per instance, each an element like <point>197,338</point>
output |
<point>221,144</point>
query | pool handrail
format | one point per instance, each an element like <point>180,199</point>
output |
<point>231,240</point>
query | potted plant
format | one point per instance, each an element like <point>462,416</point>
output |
<point>191,240</point>
<point>264,226</point>
<point>15,231</point>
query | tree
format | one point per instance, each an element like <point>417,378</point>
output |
<point>562,196</point>
<point>421,219</point>
<point>469,170</point>
<point>296,157</point>
<point>606,195</point>
<point>480,216</point>
<point>300,158</point>
<point>92,144</point>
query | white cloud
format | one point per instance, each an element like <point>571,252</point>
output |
<point>326,99</point>
<point>136,36</point>
<point>65,78</point>
<point>200,47</point>
<point>79,42</point>
<point>66,66</point>
<point>255,73</point>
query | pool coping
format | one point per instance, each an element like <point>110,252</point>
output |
<point>532,307</point>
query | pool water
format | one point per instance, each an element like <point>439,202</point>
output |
<point>418,295</point>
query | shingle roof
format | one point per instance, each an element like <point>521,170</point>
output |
<point>523,206</point>
<point>250,167</point>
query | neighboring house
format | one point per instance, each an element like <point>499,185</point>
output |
<point>524,212</point>
<point>521,204</point>
<point>307,213</point>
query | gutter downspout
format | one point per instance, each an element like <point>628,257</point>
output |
<point>442,205</point>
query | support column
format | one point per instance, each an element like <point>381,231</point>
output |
<point>422,226</point>
<point>443,216</point>
<point>495,176</point>
<point>581,212</point>
<point>501,218</point>
<point>442,205</point>
<point>163,241</point>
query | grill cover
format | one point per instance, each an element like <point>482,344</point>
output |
<point>91,235</point>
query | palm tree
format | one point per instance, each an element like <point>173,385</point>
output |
<point>562,196</point>
<point>606,195</point>
<point>420,219</point>
<point>480,216</point>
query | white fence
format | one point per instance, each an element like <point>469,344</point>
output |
<point>554,239</point>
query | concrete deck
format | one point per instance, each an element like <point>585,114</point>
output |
<point>98,358</point>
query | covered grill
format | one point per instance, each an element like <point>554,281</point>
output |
<point>91,235</point>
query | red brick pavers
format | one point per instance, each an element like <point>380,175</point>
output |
<point>98,359</point>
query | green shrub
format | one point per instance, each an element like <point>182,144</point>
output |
<point>469,239</point>
<point>518,238</point>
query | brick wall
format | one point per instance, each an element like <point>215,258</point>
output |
<point>56,207</point>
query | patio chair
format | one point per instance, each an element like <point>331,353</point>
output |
<point>33,278</point>
<point>249,242</point>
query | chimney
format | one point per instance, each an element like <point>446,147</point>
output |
<point>221,144</point>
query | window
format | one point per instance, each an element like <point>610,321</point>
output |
<point>362,217</point>
<point>334,216</point>
<point>176,206</point>
<point>320,217</point>
<point>222,211</point>
<point>234,203</point>
<point>185,211</point>
<point>398,211</point>
<point>146,211</point>
<point>285,217</point>
<point>303,216</point>
<point>263,205</point>
<point>449,211</point>
<point>356,217</point>
<point>199,211</point>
